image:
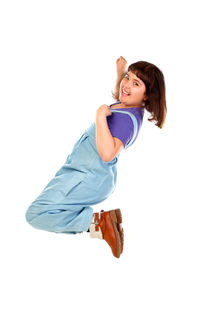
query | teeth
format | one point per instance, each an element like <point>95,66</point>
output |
<point>124,92</point>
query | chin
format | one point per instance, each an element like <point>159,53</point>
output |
<point>122,99</point>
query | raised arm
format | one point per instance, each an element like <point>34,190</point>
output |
<point>121,68</point>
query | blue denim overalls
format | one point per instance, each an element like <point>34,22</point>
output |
<point>64,206</point>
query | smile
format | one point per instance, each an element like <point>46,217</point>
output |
<point>124,93</point>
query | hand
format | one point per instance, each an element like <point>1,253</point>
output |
<point>121,64</point>
<point>104,111</point>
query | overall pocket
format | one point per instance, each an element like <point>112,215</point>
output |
<point>72,185</point>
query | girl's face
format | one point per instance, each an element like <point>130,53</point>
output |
<point>132,90</point>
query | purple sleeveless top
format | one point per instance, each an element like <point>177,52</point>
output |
<point>121,125</point>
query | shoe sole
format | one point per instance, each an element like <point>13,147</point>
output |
<point>119,226</point>
<point>117,235</point>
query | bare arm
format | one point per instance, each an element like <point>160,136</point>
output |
<point>121,65</point>
<point>104,139</point>
<point>117,85</point>
<point>107,145</point>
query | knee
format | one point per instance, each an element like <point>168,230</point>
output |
<point>30,215</point>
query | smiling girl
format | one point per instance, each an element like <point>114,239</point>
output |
<point>89,174</point>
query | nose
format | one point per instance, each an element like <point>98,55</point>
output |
<point>126,87</point>
<point>127,84</point>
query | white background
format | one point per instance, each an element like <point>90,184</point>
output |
<point>57,66</point>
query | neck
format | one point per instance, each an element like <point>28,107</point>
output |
<point>128,106</point>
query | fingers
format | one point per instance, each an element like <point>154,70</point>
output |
<point>121,59</point>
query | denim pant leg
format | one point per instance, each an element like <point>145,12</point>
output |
<point>60,218</point>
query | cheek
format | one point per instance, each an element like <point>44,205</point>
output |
<point>139,92</point>
<point>136,94</point>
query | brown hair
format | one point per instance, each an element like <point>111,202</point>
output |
<point>154,81</point>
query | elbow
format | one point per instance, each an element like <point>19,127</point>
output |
<point>105,154</point>
<point>106,157</point>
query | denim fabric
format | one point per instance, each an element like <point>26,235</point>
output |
<point>64,206</point>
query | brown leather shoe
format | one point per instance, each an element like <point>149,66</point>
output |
<point>119,226</point>
<point>104,226</point>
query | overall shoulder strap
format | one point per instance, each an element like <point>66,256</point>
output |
<point>135,124</point>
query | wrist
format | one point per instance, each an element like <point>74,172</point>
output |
<point>120,76</point>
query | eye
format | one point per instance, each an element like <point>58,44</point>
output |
<point>126,75</point>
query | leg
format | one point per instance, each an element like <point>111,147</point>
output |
<point>66,208</point>
<point>67,219</point>
<point>60,218</point>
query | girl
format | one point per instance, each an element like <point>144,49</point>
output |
<point>89,173</point>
